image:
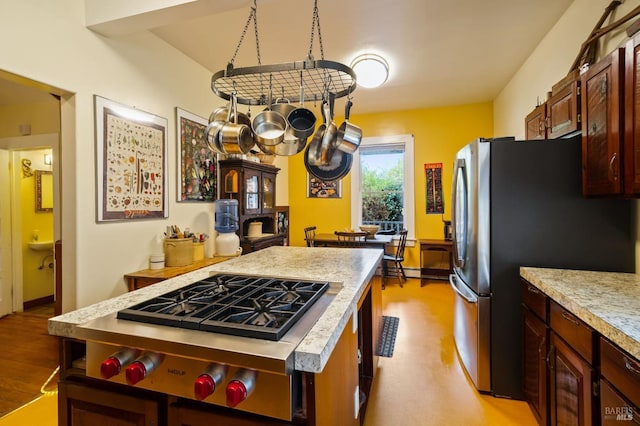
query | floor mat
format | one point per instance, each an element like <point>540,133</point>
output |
<point>388,336</point>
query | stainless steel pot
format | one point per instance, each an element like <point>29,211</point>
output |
<point>302,121</point>
<point>235,137</point>
<point>349,135</point>
<point>291,144</point>
<point>212,135</point>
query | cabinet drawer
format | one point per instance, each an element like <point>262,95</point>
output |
<point>534,298</point>
<point>621,370</point>
<point>615,408</point>
<point>573,330</point>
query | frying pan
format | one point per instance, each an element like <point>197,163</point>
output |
<point>321,147</point>
<point>338,167</point>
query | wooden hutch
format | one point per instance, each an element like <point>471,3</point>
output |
<point>254,186</point>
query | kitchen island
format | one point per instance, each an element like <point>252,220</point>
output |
<point>334,362</point>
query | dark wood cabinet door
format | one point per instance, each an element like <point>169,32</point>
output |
<point>536,123</point>
<point>81,405</point>
<point>601,126</point>
<point>536,379</point>
<point>632,118</point>
<point>563,110</point>
<point>615,409</point>
<point>572,382</point>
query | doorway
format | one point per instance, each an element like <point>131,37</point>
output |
<point>30,117</point>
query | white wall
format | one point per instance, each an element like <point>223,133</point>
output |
<point>140,70</point>
<point>550,62</point>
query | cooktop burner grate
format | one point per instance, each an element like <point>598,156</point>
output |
<point>247,306</point>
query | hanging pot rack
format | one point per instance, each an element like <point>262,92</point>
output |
<point>299,81</point>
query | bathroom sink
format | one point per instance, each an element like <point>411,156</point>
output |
<point>41,245</point>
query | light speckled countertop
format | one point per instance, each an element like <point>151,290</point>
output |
<point>351,267</point>
<point>608,301</point>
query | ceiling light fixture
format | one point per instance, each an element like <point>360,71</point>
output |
<point>371,70</point>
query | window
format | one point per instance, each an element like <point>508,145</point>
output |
<point>382,182</point>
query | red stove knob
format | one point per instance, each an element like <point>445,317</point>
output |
<point>142,367</point>
<point>112,365</point>
<point>207,382</point>
<point>240,387</point>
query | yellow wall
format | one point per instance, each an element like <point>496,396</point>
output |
<point>43,117</point>
<point>438,134</point>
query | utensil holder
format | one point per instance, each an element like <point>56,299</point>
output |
<point>178,251</point>
<point>198,251</point>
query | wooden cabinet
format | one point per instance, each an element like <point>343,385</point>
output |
<point>254,186</point>
<point>619,385</point>
<point>536,123</point>
<point>611,123</point>
<point>84,405</point>
<point>535,349</point>
<point>560,114</point>
<point>572,385</point>
<point>632,118</point>
<point>602,124</point>
<point>572,379</point>
<point>563,107</point>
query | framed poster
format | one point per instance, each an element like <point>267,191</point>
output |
<point>317,188</point>
<point>131,163</point>
<point>197,180</point>
<point>434,197</point>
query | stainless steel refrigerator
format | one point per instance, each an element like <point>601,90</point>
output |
<point>519,203</point>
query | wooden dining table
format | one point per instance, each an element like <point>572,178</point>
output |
<point>331,240</point>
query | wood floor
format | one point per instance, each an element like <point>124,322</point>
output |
<point>28,357</point>
<point>423,383</point>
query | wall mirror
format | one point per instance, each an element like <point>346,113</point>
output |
<point>44,191</point>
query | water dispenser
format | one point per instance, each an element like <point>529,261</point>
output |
<point>226,224</point>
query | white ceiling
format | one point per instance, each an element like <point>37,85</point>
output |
<point>441,52</point>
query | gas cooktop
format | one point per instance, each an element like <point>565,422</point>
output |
<point>248,306</point>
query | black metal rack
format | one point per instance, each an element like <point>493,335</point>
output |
<point>308,81</point>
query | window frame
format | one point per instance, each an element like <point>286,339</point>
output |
<point>407,141</point>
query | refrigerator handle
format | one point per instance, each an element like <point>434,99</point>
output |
<point>470,297</point>
<point>458,257</point>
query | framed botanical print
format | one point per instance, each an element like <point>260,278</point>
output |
<point>131,163</point>
<point>197,180</point>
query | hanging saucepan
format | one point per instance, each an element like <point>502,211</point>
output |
<point>269,126</point>
<point>338,167</point>
<point>291,144</point>
<point>301,120</point>
<point>212,136</point>
<point>222,114</point>
<point>349,135</point>
<point>235,138</point>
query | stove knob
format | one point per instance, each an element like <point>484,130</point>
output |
<point>207,382</point>
<point>142,367</point>
<point>240,387</point>
<point>113,365</point>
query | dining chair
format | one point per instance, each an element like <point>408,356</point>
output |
<point>351,239</point>
<point>392,263</point>
<point>310,235</point>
